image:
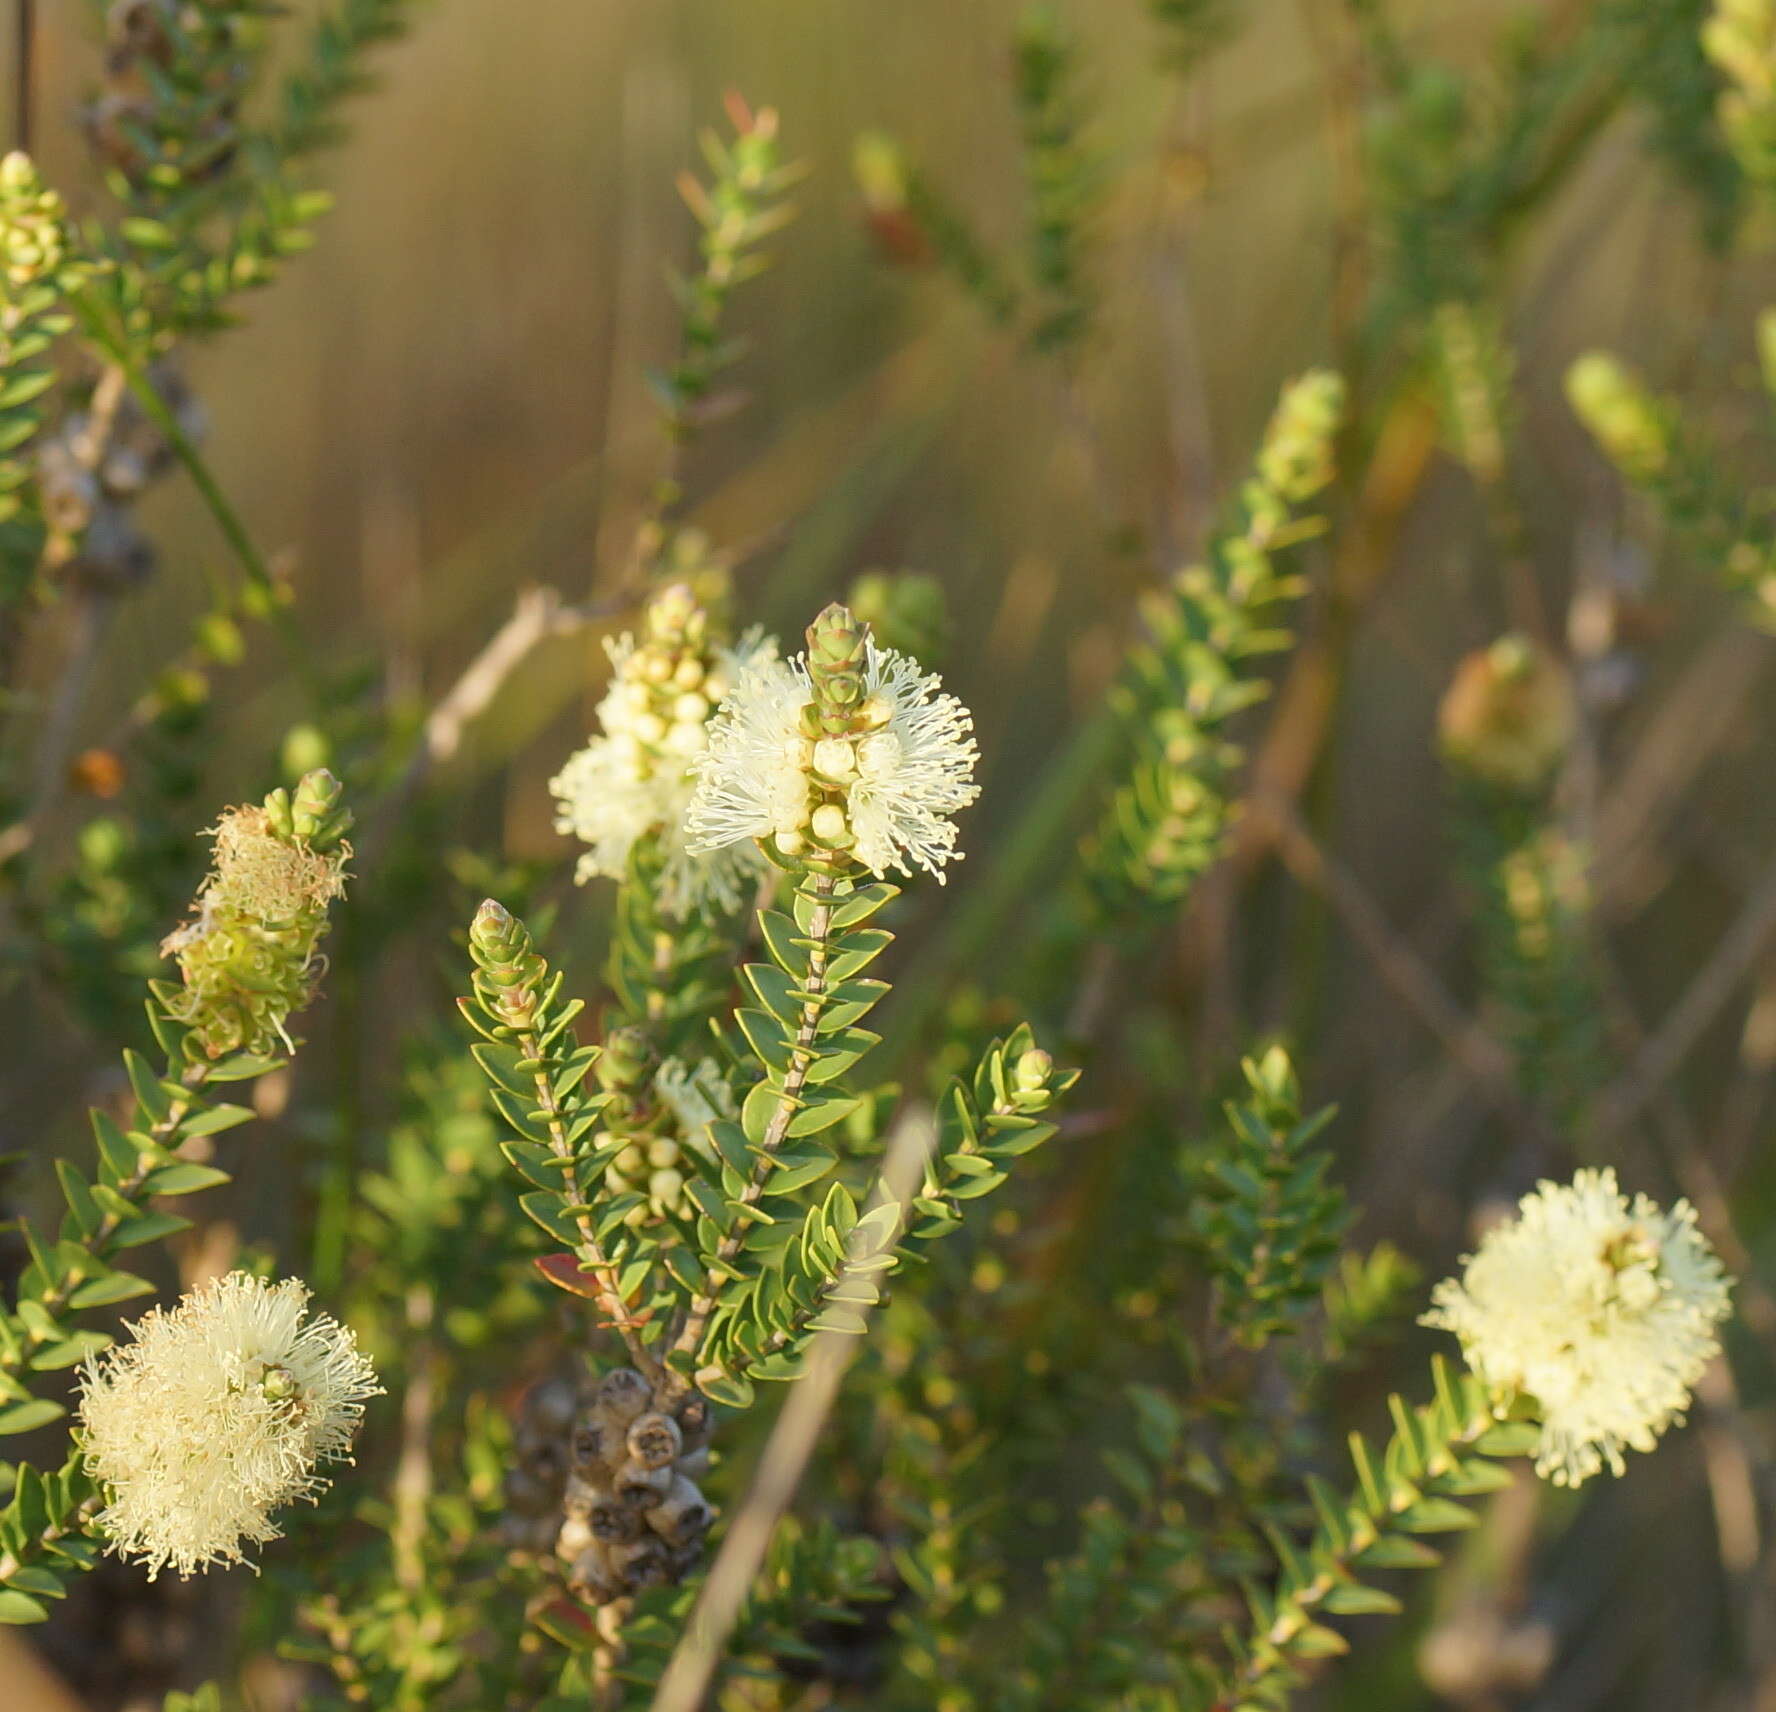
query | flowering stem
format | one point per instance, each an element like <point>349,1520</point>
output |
<point>820,891</point>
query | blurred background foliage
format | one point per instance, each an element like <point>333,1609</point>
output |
<point>446,402</point>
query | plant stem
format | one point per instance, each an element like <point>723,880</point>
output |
<point>592,1256</point>
<point>801,1060</point>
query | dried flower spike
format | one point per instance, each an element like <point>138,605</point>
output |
<point>214,1416</point>
<point>849,754</point>
<point>249,956</point>
<point>1605,1311</point>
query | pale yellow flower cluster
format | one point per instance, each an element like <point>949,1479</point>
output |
<point>214,1416</point>
<point>1603,1310</point>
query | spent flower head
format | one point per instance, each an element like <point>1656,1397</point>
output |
<point>847,756</point>
<point>214,1416</point>
<point>1602,1309</point>
<point>634,778</point>
<point>249,956</point>
<point>1509,715</point>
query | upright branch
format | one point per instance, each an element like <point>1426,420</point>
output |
<point>249,960</point>
<point>538,1071</point>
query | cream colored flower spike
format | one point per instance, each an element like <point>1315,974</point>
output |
<point>214,1416</point>
<point>1604,1311</point>
<point>634,776</point>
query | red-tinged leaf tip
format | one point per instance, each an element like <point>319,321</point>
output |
<point>565,1273</point>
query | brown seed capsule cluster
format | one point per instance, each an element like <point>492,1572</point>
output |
<point>634,1515</point>
<point>534,1483</point>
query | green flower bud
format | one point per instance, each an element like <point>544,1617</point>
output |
<point>1621,416</point>
<point>1032,1071</point>
<point>508,971</point>
<point>835,661</point>
<point>628,1060</point>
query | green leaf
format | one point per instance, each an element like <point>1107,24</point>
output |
<point>150,1095</point>
<point>821,1112</point>
<point>24,1417</point>
<point>68,1351</point>
<point>148,1227</point>
<point>17,1607</point>
<point>1353,1599</point>
<point>183,1177</point>
<point>729,1390</point>
<point>794,1170</point>
<point>112,1287</point>
<point>81,1206</point>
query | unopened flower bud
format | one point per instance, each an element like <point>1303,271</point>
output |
<point>1034,1067</point>
<point>628,1059</point>
<point>834,758</point>
<point>829,825</point>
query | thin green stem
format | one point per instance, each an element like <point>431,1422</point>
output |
<point>801,1060</point>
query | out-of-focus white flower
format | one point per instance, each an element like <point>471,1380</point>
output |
<point>696,1094</point>
<point>1601,1309</point>
<point>214,1416</point>
<point>886,790</point>
<point>635,777</point>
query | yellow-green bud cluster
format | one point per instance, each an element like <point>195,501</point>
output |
<point>249,957</point>
<point>509,971</point>
<point>652,1163</point>
<point>33,233</point>
<point>1622,416</point>
<point>669,685</point>
<point>1295,460</point>
<point>832,724</point>
<point>1544,883</point>
<point>1740,38</point>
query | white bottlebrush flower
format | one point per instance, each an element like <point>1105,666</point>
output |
<point>1601,1309</point>
<point>635,777</point>
<point>898,779</point>
<point>913,774</point>
<point>214,1415</point>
